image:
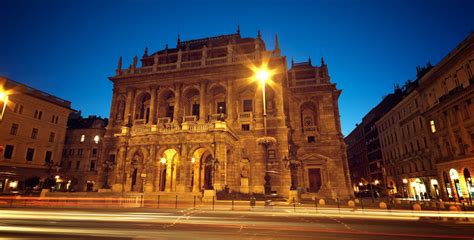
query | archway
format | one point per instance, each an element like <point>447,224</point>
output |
<point>218,104</point>
<point>453,174</point>
<point>142,107</point>
<point>167,170</point>
<point>203,170</point>
<point>191,102</point>
<point>166,103</point>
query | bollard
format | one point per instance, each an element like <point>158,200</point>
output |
<point>158,203</point>
<point>176,203</point>
<point>232,204</point>
<point>338,204</point>
<point>194,205</point>
<point>416,207</point>
<point>213,201</point>
<point>362,203</point>
<point>316,204</point>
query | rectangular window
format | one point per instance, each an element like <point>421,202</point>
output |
<point>51,136</point>
<point>112,158</point>
<point>79,152</point>
<point>248,105</point>
<point>92,165</point>
<point>47,156</point>
<point>8,154</point>
<point>34,133</point>
<point>245,127</point>
<point>14,129</point>
<point>311,139</point>
<point>29,154</point>
<point>433,126</point>
<point>78,164</point>
<point>94,152</point>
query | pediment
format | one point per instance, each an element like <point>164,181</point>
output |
<point>313,157</point>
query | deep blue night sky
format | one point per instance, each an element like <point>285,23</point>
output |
<point>69,48</point>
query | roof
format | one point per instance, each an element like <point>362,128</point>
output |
<point>94,122</point>
<point>33,92</point>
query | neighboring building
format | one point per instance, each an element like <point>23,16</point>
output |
<point>372,140</point>
<point>357,157</point>
<point>409,166</point>
<point>31,135</point>
<point>364,148</point>
<point>82,149</point>
<point>191,119</point>
<point>448,95</point>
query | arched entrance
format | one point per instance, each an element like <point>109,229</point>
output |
<point>203,170</point>
<point>457,186</point>
<point>167,170</point>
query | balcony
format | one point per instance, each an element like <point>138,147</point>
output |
<point>164,120</point>
<point>245,116</point>
<point>217,117</point>
<point>191,118</point>
<point>138,122</point>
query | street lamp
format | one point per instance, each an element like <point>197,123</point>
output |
<point>263,75</point>
<point>4,101</point>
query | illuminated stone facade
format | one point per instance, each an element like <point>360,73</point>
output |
<point>31,135</point>
<point>190,117</point>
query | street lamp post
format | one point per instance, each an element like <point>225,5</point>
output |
<point>263,75</point>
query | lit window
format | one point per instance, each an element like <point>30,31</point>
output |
<point>96,139</point>
<point>83,138</point>
<point>433,126</point>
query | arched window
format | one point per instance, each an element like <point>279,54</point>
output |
<point>142,107</point>
<point>308,114</point>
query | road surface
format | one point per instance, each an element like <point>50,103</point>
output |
<point>45,223</point>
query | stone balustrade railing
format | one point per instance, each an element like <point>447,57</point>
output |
<point>191,64</point>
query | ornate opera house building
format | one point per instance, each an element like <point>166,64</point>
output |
<point>204,117</point>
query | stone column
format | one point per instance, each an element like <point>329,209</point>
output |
<point>181,171</point>
<point>202,102</point>
<point>151,170</point>
<point>230,101</point>
<point>197,173</point>
<point>118,171</point>
<point>177,103</point>
<point>129,106</point>
<point>153,105</point>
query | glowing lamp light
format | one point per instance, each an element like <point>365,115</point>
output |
<point>376,182</point>
<point>193,160</point>
<point>360,184</point>
<point>163,160</point>
<point>405,180</point>
<point>96,139</point>
<point>263,75</point>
